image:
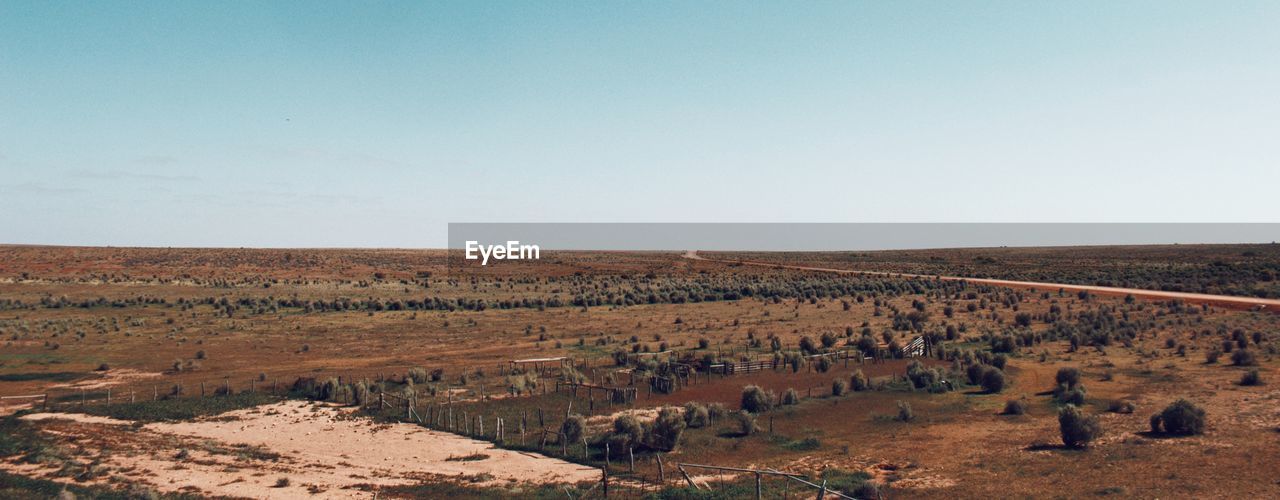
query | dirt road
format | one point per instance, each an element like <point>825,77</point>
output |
<point>1227,301</point>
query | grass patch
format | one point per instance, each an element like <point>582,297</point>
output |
<point>806,444</point>
<point>442,489</point>
<point>179,409</point>
<point>48,376</point>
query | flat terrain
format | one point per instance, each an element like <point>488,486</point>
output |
<point>354,373</point>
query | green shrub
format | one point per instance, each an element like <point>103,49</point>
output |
<point>920,376</point>
<point>757,400</point>
<point>1183,418</point>
<point>572,428</point>
<point>1251,377</point>
<point>1069,395</point>
<point>846,482</point>
<point>627,433</point>
<point>1120,406</point>
<point>696,415</point>
<point>667,428</point>
<point>974,373</point>
<point>716,411</point>
<point>1015,407</point>
<point>1069,376</point>
<point>859,381</point>
<point>1077,429</point>
<point>790,397</point>
<point>993,380</point>
<point>746,422</point>
<point>1244,357</point>
<point>905,414</point>
<point>1211,356</point>
<point>417,375</point>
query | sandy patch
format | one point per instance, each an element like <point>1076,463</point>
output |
<point>323,451</point>
<point>605,422</point>
<point>76,417</point>
<point>108,379</point>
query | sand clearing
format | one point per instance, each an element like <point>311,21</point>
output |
<point>108,379</point>
<point>322,450</point>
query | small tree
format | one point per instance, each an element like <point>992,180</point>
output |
<point>1077,429</point>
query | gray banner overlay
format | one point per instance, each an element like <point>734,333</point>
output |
<point>849,236</point>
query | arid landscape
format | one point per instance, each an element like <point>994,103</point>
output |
<point>251,373</point>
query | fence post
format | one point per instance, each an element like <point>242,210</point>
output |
<point>605,481</point>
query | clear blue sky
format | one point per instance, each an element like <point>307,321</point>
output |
<point>374,124</point>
